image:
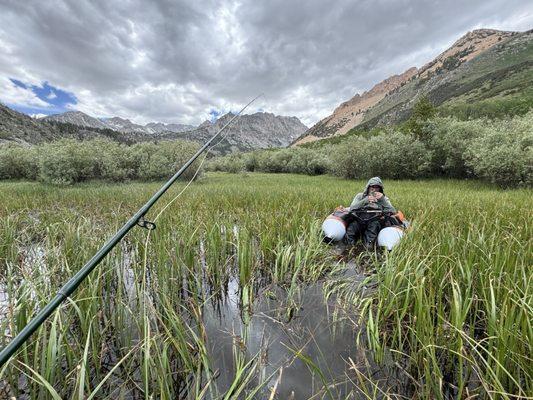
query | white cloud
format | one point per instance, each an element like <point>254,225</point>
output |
<point>175,61</point>
<point>13,94</point>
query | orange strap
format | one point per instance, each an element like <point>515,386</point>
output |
<point>399,215</point>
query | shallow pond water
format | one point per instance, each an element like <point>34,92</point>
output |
<point>311,339</point>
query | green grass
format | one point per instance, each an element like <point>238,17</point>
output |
<point>453,302</point>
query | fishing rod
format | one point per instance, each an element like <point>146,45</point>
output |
<point>77,279</point>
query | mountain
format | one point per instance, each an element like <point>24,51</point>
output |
<point>20,128</point>
<point>247,132</point>
<point>497,75</point>
<point>123,125</point>
<point>158,127</point>
<point>482,57</point>
<point>77,118</point>
<point>350,113</point>
<point>118,124</point>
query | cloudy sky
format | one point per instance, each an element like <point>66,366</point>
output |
<point>187,61</point>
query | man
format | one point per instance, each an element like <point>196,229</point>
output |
<point>367,222</point>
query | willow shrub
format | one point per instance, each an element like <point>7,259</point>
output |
<point>389,155</point>
<point>504,155</point>
<point>18,162</point>
<point>291,160</point>
<point>161,160</point>
<point>448,140</point>
<point>69,161</point>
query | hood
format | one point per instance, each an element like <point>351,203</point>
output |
<point>374,181</point>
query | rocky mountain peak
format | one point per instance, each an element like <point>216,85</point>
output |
<point>350,113</point>
<point>353,112</point>
<point>77,118</point>
<point>464,49</point>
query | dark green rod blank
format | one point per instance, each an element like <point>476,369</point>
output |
<point>77,279</point>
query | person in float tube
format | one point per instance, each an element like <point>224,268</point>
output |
<point>371,199</point>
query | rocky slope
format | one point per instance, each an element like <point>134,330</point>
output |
<point>350,113</point>
<point>247,132</point>
<point>77,118</point>
<point>503,71</point>
<point>362,108</point>
<point>20,128</point>
<point>116,123</point>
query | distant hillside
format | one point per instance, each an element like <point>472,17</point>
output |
<point>248,132</point>
<point>118,124</point>
<point>483,64</point>
<point>502,73</point>
<point>76,118</point>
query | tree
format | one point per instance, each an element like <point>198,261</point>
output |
<point>423,110</point>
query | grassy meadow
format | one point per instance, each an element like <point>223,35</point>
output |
<point>452,304</point>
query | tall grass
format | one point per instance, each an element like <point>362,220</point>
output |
<point>454,300</point>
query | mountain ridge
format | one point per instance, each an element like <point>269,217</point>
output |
<point>248,132</point>
<point>116,123</point>
<point>356,111</point>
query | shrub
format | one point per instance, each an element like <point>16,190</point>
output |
<point>18,162</point>
<point>118,163</point>
<point>160,161</point>
<point>389,155</point>
<point>448,139</point>
<point>67,161</point>
<point>504,154</point>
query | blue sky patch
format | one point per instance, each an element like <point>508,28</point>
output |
<point>58,99</point>
<point>214,114</point>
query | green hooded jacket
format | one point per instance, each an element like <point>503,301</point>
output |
<point>360,201</point>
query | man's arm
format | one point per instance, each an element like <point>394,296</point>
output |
<point>359,202</point>
<point>386,204</point>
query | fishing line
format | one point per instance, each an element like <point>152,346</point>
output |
<point>145,258</point>
<point>72,284</point>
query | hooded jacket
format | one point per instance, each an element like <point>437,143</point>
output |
<point>360,201</point>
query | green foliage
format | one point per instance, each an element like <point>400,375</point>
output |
<point>388,155</point>
<point>162,160</point>
<point>450,306</point>
<point>422,111</point>
<point>69,161</point>
<point>17,162</point>
<point>497,107</point>
<point>504,155</point>
<point>447,142</point>
<point>291,160</point>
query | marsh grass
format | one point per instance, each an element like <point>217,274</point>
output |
<point>453,301</point>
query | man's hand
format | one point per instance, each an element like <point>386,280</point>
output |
<point>371,198</point>
<point>377,195</point>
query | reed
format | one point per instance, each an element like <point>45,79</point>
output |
<point>453,301</point>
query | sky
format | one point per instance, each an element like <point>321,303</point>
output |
<point>187,61</point>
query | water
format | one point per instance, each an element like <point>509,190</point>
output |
<point>301,344</point>
<point>280,328</point>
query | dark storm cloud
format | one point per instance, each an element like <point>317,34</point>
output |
<point>178,60</point>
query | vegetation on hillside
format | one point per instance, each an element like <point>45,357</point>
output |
<point>495,84</point>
